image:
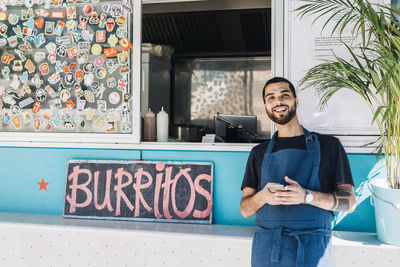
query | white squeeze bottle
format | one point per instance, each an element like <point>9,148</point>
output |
<point>162,126</point>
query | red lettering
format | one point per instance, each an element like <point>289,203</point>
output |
<point>74,176</point>
<point>138,186</point>
<point>106,200</point>
<point>205,193</point>
<point>120,194</point>
<point>166,185</point>
<point>159,167</point>
<point>190,205</point>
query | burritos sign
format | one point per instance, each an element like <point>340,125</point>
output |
<point>139,190</point>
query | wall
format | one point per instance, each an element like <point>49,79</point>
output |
<point>22,168</point>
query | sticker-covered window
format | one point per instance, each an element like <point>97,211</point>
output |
<point>65,66</point>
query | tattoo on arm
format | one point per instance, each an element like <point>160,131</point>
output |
<point>341,197</point>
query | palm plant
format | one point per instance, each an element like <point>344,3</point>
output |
<point>373,70</point>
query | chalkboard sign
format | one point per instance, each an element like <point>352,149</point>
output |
<point>139,190</point>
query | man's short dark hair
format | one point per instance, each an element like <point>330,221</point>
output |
<point>278,80</point>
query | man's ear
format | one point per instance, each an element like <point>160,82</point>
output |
<point>297,101</point>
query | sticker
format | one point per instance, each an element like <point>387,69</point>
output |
<point>96,49</point>
<point>15,82</point>
<point>72,66</point>
<point>57,121</point>
<point>65,69</point>
<point>50,91</point>
<point>12,41</point>
<point>102,106</point>
<point>101,73</point>
<point>47,126</point>
<point>99,93</point>
<point>9,100</point>
<point>125,43</point>
<point>30,23</point>
<point>36,124</point>
<point>121,32</point>
<point>94,18</point>
<point>44,68</point>
<point>17,65</point>
<point>88,68</point>
<point>52,58</point>
<point>87,10</point>
<point>28,31</point>
<point>51,47</point>
<point>3,42</point>
<point>84,46</point>
<point>106,8</point>
<point>54,78</point>
<point>30,66</point>
<point>20,54</point>
<point>112,40</point>
<point>63,40</point>
<point>81,103</point>
<point>124,69</point>
<point>57,14</point>
<point>40,94</point>
<point>26,46</point>
<point>102,22</point>
<point>111,83</point>
<point>121,20</point>
<point>73,52</point>
<point>127,96</point>
<point>26,102</point>
<point>111,126</point>
<point>83,21</point>
<point>14,94</point>
<point>99,61</point>
<point>6,58</point>
<point>101,36</point>
<point>3,16</point>
<point>39,56</point>
<point>17,121</point>
<point>49,28</point>
<point>116,11</point>
<point>95,86</point>
<point>82,124</point>
<point>71,12</point>
<point>86,35</point>
<point>39,22</point>
<point>70,104</point>
<point>69,125</point>
<point>6,118</point>
<point>69,78</point>
<point>61,51</point>
<point>127,7</point>
<point>75,37</point>
<point>71,26</point>
<point>26,117</point>
<point>83,57</point>
<point>110,24</point>
<point>65,95</point>
<point>55,103</point>
<point>122,83</point>
<point>89,96</point>
<point>46,116</point>
<point>114,98</point>
<point>110,52</point>
<point>111,66</point>
<point>13,19</point>
<point>42,12</point>
<point>39,40</point>
<point>24,77</point>
<point>79,75</point>
<point>113,114</point>
<point>36,80</point>
<point>59,66</point>
<point>123,58</point>
<point>28,3</point>
<point>78,91</point>
<point>3,30</point>
<point>26,14</point>
<point>25,89</point>
<point>59,28</point>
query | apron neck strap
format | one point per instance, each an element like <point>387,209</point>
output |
<point>307,135</point>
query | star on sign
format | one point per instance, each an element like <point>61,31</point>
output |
<point>43,185</point>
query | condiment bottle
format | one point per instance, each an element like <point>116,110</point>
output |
<point>162,126</point>
<point>149,126</point>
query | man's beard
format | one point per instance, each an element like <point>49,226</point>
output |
<point>285,119</point>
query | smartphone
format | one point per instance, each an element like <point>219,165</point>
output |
<point>275,187</point>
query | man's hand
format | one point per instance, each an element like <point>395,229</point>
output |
<point>294,194</point>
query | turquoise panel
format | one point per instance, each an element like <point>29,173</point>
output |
<point>228,175</point>
<point>22,168</point>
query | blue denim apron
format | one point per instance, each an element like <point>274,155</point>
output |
<point>292,235</point>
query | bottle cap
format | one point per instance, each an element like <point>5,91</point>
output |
<point>162,112</point>
<point>149,113</point>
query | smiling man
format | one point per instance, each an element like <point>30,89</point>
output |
<point>293,183</point>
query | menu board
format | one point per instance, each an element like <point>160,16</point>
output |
<point>309,45</point>
<point>66,66</point>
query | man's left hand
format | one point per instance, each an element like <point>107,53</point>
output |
<point>294,194</point>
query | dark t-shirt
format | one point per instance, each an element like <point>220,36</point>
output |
<point>334,167</point>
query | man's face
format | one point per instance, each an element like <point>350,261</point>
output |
<point>280,103</point>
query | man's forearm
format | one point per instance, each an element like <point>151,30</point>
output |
<point>341,200</point>
<point>251,204</point>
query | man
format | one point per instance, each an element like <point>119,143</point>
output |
<point>293,224</point>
